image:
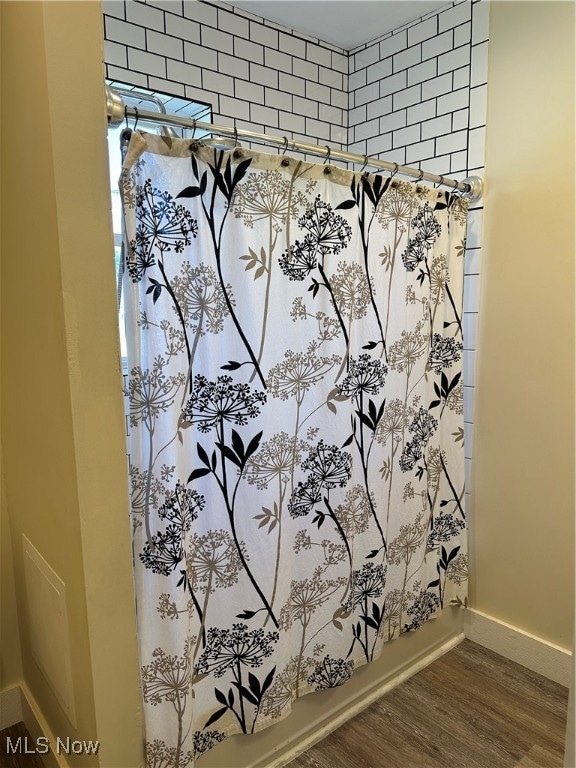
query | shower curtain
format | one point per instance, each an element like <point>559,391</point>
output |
<point>295,398</point>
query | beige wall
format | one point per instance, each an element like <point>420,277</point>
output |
<point>65,467</point>
<point>36,421</point>
<point>62,426</point>
<point>10,654</point>
<point>62,414</point>
<point>523,474</point>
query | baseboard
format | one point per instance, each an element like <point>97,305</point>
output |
<point>10,707</point>
<point>401,665</point>
<point>317,714</point>
<point>515,644</point>
<point>308,740</point>
<point>37,726</point>
<point>17,705</point>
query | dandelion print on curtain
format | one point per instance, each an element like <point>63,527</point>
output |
<point>296,428</point>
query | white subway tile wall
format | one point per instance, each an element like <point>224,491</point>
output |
<point>427,84</point>
<point>266,77</point>
<point>414,96</point>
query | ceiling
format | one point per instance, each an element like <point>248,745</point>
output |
<point>345,23</point>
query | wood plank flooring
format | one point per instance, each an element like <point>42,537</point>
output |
<point>469,709</point>
<point>18,760</point>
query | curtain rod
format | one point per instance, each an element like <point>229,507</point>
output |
<point>118,111</point>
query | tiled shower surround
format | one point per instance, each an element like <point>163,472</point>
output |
<point>415,96</point>
<point>266,77</point>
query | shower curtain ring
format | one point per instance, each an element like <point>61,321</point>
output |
<point>439,183</point>
<point>419,177</point>
<point>127,131</point>
<point>235,134</point>
<point>328,153</point>
<point>285,144</point>
<point>193,129</point>
<point>395,171</point>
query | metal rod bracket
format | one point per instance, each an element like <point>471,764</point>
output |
<point>476,184</point>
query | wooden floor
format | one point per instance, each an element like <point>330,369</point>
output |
<point>469,709</point>
<point>18,759</point>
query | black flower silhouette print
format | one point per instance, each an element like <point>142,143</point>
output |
<point>328,466</point>
<point>295,414</point>
<point>365,376</point>
<point>299,260</point>
<point>204,741</point>
<point>443,352</point>
<point>425,605</point>
<point>228,648</point>
<point>165,550</point>
<point>446,527</point>
<point>422,429</point>
<point>231,651</point>
<point>427,229</point>
<point>331,673</point>
<point>162,226</point>
<point>212,402</point>
<point>328,231</point>
<point>367,584</point>
<point>305,497</point>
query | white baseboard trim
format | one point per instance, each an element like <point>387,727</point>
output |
<point>37,726</point>
<point>296,745</point>
<point>18,705</point>
<point>10,707</point>
<point>308,740</point>
<point>515,644</point>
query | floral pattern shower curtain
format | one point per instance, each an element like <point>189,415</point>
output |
<point>296,428</point>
